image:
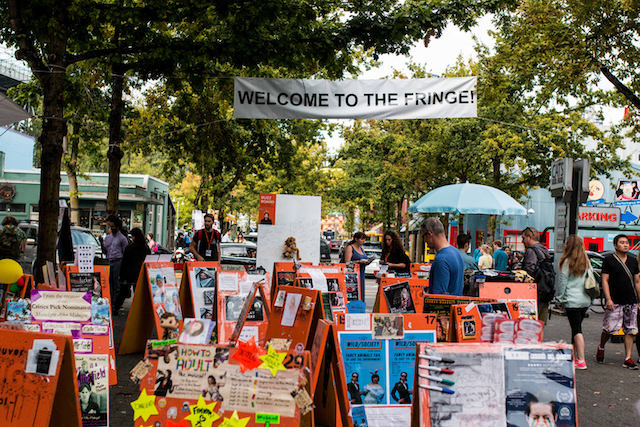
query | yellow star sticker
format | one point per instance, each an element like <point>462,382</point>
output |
<point>144,407</point>
<point>273,361</point>
<point>202,415</point>
<point>234,421</point>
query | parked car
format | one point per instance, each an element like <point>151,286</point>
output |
<point>239,255</point>
<point>79,236</point>
<point>251,237</point>
<point>373,248</point>
<point>325,251</point>
<point>335,245</point>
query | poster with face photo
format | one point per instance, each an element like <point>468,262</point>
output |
<point>92,373</point>
<point>190,372</point>
<point>539,383</point>
<point>398,298</point>
<point>352,283</point>
<point>86,282</point>
<point>233,308</point>
<point>203,282</point>
<point>164,289</point>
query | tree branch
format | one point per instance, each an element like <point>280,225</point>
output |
<point>624,90</point>
<point>27,49</point>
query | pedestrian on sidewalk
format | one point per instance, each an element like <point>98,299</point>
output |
<point>620,284</point>
<point>114,245</point>
<point>132,260</point>
<point>574,265</point>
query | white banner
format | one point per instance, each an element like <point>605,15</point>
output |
<point>257,98</point>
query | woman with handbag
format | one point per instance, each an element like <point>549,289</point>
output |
<point>572,294</point>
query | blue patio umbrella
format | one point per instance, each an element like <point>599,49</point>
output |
<point>468,199</point>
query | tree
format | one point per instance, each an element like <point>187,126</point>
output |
<point>564,47</point>
<point>156,38</point>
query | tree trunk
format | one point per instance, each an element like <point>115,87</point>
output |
<point>52,133</point>
<point>115,153</point>
<point>71,166</point>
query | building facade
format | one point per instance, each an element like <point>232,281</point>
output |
<point>144,200</point>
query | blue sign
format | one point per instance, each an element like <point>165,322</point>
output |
<point>594,202</point>
<point>628,217</point>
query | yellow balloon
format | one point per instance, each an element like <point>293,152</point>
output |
<point>10,271</point>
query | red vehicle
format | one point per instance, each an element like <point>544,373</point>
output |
<point>335,245</point>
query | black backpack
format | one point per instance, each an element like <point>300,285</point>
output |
<point>9,243</point>
<point>545,276</point>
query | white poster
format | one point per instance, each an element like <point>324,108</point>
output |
<point>258,98</point>
<point>298,217</point>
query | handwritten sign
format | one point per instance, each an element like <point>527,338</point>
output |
<point>63,306</point>
<point>258,391</point>
<point>202,414</point>
<point>247,354</point>
<point>144,406</point>
<point>273,361</point>
<point>235,421</point>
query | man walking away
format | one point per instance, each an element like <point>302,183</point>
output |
<point>620,284</point>
<point>500,257</point>
<point>536,252</point>
<point>464,241</point>
<point>447,270</point>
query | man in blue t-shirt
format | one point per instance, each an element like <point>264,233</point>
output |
<point>447,269</point>
<point>500,257</point>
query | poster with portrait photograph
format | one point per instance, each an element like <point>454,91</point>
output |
<point>165,291</point>
<point>399,298</point>
<point>86,282</point>
<point>267,209</point>
<point>190,372</point>
<point>627,193</point>
<point>92,373</point>
<point>388,326</point>
<point>203,282</point>
<point>233,307</point>
<point>542,380</point>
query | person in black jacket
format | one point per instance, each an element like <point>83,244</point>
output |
<point>393,253</point>
<point>132,260</point>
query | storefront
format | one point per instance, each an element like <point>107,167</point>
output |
<point>144,201</point>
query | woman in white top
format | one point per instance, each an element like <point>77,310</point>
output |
<point>486,260</point>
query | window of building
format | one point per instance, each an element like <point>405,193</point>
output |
<point>13,207</point>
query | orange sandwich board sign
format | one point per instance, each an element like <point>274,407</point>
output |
<point>37,380</point>
<point>96,282</point>
<point>156,293</point>
<point>294,314</point>
<point>207,385</point>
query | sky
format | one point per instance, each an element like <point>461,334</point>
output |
<point>440,54</point>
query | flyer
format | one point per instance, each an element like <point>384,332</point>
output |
<point>93,385</point>
<point>392,360</point>
<point>399,298</point>
<point>189,372</point>
<point>203,282</point>
<point>541,379</point>
<point>234,304</point>
<point>86,282</point>
<point>365,362</point>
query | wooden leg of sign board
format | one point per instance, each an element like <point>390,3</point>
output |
<point>186,298</point>
<point>330,394</point>
<point>66,408</point>
<point>248,302</point>
<point>141,318</point>
<point>376,305</point>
